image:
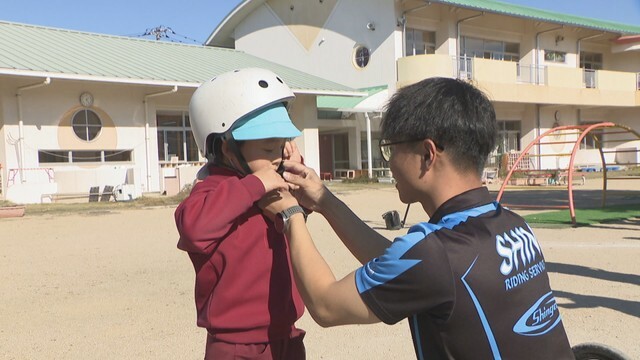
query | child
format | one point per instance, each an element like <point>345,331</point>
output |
<point>245,294</point>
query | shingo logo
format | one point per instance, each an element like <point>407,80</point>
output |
<point>540,318</point>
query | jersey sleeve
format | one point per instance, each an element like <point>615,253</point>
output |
<point>412,276</point>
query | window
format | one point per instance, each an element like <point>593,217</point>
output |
<point>84,156</point>
<point>86,124</point>
<point>555,56</point>
<point>419,42</point>
<point>490,49</point>
<point>175,139</point>
<point>361,56</point>
<point>593,138</point>
<point>376,157</point>
<point>508,136</point>
<point>341,151</point>
<point>591,61</point>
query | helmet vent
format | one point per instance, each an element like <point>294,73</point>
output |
<point>281,82</point>
<point>223,124</point>
<point>263,84</point>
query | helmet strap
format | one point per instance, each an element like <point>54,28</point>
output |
<point>235,150</point>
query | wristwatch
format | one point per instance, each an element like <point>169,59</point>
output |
<point>282,218</point>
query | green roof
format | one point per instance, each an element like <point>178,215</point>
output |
<point>30,50</point>
<point>543,15</point>
<point>342,102</point>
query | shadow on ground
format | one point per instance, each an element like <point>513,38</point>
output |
<point>582,199</point>
<point>595,273</point>
<point>592,301</point>
<point>579,301</point>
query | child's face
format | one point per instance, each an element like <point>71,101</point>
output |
<point>263,153</point>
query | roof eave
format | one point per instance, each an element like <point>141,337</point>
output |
<point>221,35</point>
<point>154,82</point>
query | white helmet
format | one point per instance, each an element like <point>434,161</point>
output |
<point>220,102</point>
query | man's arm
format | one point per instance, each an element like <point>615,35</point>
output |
<point>361,240</point>
<point>329,302</point>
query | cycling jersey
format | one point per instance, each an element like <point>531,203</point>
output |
<point>473,284</point>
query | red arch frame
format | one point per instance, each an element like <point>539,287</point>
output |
<point>584,130</point>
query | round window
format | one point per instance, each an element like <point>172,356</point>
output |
<point>361,56</point>
<point>86,124</point>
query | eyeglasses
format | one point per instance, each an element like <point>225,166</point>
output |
<point>386,150</point>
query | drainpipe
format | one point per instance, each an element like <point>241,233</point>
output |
<point>403,19</point>
<point>369,159</point>
<point>578,46</point>
<point>146,129</point>
<point>46,82</point>
<point>458,45</point>
<point>537,57</point>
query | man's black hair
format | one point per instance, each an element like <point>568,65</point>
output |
<point>453,113</point>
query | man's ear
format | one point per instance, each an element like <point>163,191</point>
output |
<point>429,149</point>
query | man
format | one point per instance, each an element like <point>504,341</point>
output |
<point>471,281</point>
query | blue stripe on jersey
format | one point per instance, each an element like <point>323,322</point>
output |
<point>416,333</point>
<point>483,317</point>
<point>391,265</point>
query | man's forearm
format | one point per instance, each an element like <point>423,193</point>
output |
<point>363,242</point>
<point>329,302</point>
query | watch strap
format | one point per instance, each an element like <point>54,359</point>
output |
<point>287,213</point>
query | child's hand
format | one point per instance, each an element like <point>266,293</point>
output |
<point>275,201</point>
<point>291,152</point>
<point>271,180</point>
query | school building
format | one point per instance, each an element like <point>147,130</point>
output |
<point>81,110</point>
<point>541,69</point>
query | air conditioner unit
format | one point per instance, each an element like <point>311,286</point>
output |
<point>125,192</point>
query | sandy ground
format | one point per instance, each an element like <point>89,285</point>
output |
<point>112,285</point>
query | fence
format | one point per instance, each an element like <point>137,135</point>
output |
<point>463,67</point>
<point>531,74</point>
<point>589,77</point>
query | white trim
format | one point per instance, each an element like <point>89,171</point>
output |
<point>154,82</point>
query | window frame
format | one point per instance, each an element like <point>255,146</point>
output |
<point>68,156</point>
<point>188,152</point>
<point>410,41</point>
<point>356,56</point>
<point>86,126</point>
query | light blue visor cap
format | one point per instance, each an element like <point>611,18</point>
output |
<point>270,122</point>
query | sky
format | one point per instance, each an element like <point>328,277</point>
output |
<point>192,21</point>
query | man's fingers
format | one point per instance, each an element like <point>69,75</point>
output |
<point>293,179</point>
<point>294,167</point>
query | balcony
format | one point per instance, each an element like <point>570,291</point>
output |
<point>515,82</point>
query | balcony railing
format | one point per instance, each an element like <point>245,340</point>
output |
<point>463,67</point>
<point>589,77</point>
<point>531,74</point>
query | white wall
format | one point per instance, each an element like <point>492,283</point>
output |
<point>331,53</point>
<point>45,108</point>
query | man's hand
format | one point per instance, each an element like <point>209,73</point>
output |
<point>271,180</point>
<point>291,152</point>
<point>275,201</point>
<point>305,185</point>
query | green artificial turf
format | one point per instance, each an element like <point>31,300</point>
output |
<point>585,217</point>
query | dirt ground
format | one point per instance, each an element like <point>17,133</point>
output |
<point>112,285</point>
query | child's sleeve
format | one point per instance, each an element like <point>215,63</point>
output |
<point>210,212</point>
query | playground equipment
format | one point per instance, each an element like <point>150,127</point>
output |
<point>537,175</point>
